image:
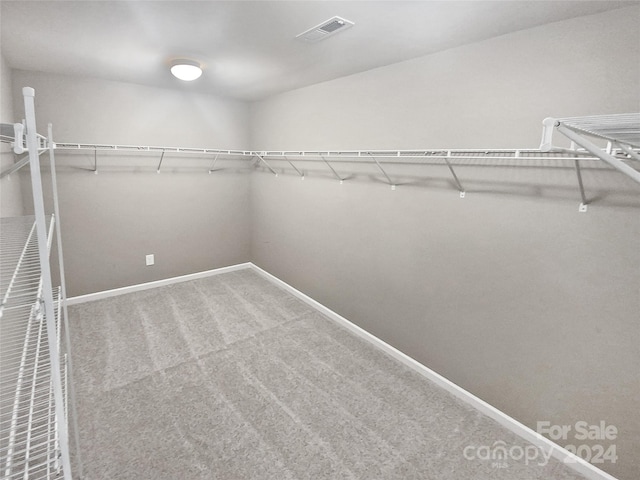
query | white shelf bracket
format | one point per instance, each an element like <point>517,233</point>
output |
<point>583,206</point>
<point>576,162</point>
<point>18,133</point>
<point>548,125</point>
<point>160,163</point>
<point>332,169</point>
<point>294,167</point>
<point>265,162</point>
<point>455,177</point>
<point>391,184</point>
<point>213,163</point>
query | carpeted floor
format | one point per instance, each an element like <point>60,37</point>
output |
<point>229,377</point>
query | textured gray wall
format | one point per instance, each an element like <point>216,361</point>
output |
<point>10,187</point>
<point>190,220</point>
<point>511,293</point>
<point>489,94</point>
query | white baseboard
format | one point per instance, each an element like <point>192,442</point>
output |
<point>572,461</point>
<point>158,283</point>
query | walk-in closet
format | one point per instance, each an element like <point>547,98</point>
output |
<point>319,240</point>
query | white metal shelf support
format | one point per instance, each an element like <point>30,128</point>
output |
<point>584,205</point>
<point>71,389</point>
<point>389,181</point>
<point>332,169</point>
<point>47,288</point>
<point>455,177</point>
<point>261,158</point>
<point>213,163</point>
<point>294,167</point>
<point>160,163</point>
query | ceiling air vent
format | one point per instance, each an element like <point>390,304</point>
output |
<point>325,29</point>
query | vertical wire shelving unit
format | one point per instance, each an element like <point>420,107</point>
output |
<point>35,361</point>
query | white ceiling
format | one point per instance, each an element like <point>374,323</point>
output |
<point>248,47</point>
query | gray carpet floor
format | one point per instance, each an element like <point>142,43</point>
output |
<point>229,377</point>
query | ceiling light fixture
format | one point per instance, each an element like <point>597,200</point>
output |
<point>187,70</point>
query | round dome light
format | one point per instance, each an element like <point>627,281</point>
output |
<point>186,70</point>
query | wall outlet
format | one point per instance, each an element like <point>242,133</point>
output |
<point>150,259</point>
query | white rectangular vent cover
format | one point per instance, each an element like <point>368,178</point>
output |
<point>325,29</point>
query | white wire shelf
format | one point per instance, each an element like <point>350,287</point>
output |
<point>546,156</point>
<point>150,149</point>
<point>621,131</point>
<point>335,155</point>
<point>29,446</point>
<point>19,262</point>
<point>624,128</point>
<point>33,370</point>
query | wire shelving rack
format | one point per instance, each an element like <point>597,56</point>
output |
<point>36,397</point>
